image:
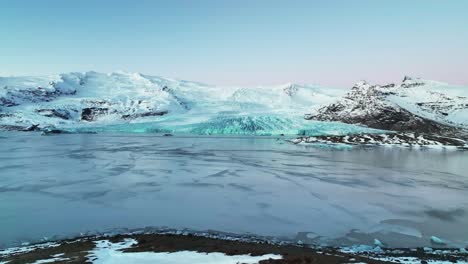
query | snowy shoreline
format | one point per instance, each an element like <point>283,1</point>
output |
<point>409,140</point>
<point>184,247</point>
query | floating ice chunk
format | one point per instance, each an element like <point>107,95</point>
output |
<point>312,235</point>
<point>361,249</point>
<point>428,249</point>
<point>377,243</point>
<point>437,240</point>
<point>377,249</point>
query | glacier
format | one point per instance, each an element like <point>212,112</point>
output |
<point>84,102</point>
<point>136,103</point>
<point>258,125</point>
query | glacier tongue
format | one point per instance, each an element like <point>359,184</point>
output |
<point>259,125</point>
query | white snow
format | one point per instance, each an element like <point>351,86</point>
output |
<point>434,100</point>
<point>55,258</point>
<point>107,252</point>
<point>437,101</point>
<point>25,249</point>
<point>28,100</point>
<point>361,249</point>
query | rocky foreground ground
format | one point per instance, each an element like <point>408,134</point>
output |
<point>122,249</point>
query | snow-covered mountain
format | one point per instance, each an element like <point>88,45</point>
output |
<point>133,102</point>
<point>414,105</point>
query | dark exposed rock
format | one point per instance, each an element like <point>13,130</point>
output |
<point>368,105</point>
<point>12,128</point>
<point>291,90</point>
<point>442,105</point>
<point>19,128</point>
<point>78,250</point>
<point>181,102</point>
<point>406,139</point>
<point>409,82</point>
<point>94,103</point>
<point>3,115</point>
<point>387,118</point>
<point>146,114</point>
<point>33,95</point>
<point>7,102</point>
<point>391,85</point>
<point>53,130</point>
<point>407,78</point>
<point>34,127</point>
<point>63,114</point>
<point>167,135</point>
<point>91,113</point>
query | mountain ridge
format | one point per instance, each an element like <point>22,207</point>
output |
<point>77,99</point>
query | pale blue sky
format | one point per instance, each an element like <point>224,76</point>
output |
<point>335,42</point>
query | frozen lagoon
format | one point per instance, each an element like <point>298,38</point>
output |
<point>63,185</point>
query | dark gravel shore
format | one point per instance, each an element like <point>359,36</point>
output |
<point>77,251</point>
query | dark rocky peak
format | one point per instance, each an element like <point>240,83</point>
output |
<point>92,113</point>
<point>184,104</point>
<point>407,78</point>
<point>361,85</point>
<point>390,85</point>
<point>291,89</point>
<point>363,89</point>
<point>409,82</point>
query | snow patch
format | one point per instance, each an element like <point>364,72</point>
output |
<point>107,252</point>
<point>56,257</point>
<point>25,249</point>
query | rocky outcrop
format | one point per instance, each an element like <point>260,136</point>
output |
<point>368,105</point>
<point>92,113</point>
<point>145,114</point>
<point>397,139</point>
<point>184,104</point>
<point>90,99</point>
<point>291,89</point>
<point>14,97</point>
<point>59,113</point>
<point>19,128</point>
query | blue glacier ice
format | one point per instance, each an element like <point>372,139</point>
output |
<point>258,125</point>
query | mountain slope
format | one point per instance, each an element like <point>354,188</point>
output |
<point>84,101</point>
<point>133,102</point>
<point>414,105</point>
